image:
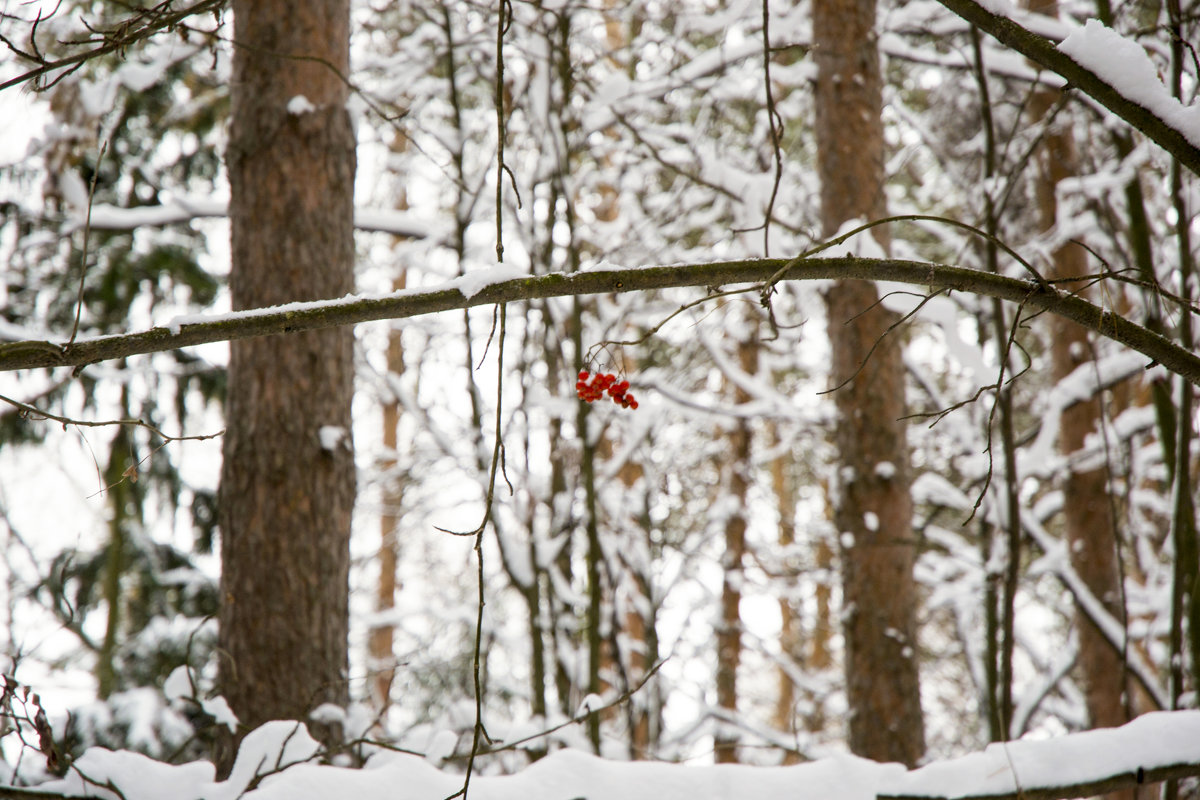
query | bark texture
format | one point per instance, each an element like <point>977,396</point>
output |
<point>286,495</point>
<point>873,510</point>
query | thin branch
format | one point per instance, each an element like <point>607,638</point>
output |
<point>87,232</point>
<point>624,697</point>
<point>30,411</point>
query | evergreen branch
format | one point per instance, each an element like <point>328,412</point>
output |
<point>317,315</point>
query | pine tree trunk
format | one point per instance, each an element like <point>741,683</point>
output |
<point>873,512</point>
<point>1087,509</point>
<point>737,471</point>
<point>790,640</point>
<point>381,638</point>
<point>288,480</point>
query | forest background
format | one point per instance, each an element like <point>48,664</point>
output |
<point>908,521</point>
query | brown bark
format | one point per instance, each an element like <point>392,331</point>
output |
<point>873,511</point>
<point>1087,509</point>
<point>286,499</point>
<point>790,640</point>
<point>381,638</point>
<point>736,483</point>
<point>631,663</point>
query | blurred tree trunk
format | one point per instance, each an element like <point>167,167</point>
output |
<point>790,639</point>
<point>125,502</point>
<point>381,638</point>
<point>735,483</point>
<point>1087,508</point>
<point>873,512</point>
<point>288,481</point>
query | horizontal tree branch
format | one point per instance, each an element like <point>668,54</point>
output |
<point>105,217</point>
<point>21,793</point>
<point>298,317</point>
<point>1042,51</point>
<point>1151,748</point>
<point>1091,788</point>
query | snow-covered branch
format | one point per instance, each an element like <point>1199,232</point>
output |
<point>1152,748</point>
<point>1041,50</point>
<point>107,217</point>
<point>501,285</point>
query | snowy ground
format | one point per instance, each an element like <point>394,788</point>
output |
<point>271,764</point>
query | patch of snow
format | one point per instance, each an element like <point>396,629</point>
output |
<point>138,777</point>
<point>139,77</point>
<point>476,281</point>
<point>440,746</point>
<point>178,684</point>
<point>1001,8</point>
<point>300,105</point>
<point>73,189</point>
<point>328,714</point>
<point>871,521</point>
<point>332,437</point>
<point>219,710</point>
<point>589,704</point>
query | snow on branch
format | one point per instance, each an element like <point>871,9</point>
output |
<point>1152,748</point>
<point>501,286</point>
<point>106,217</point>
<point>1044,52</point>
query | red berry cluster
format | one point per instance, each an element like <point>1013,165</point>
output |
<point>592,387</point>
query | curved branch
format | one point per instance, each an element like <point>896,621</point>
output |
<point>503,288</point>
<point>1043,52</point>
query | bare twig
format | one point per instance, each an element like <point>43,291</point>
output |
<point>36,413</point>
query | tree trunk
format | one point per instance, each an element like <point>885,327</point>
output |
<point>738,469</point>
<point>873,510</point>
<point>288,480</point>
<point>1087,509</point>
<point>790,639</point>
<point>381,638</point>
